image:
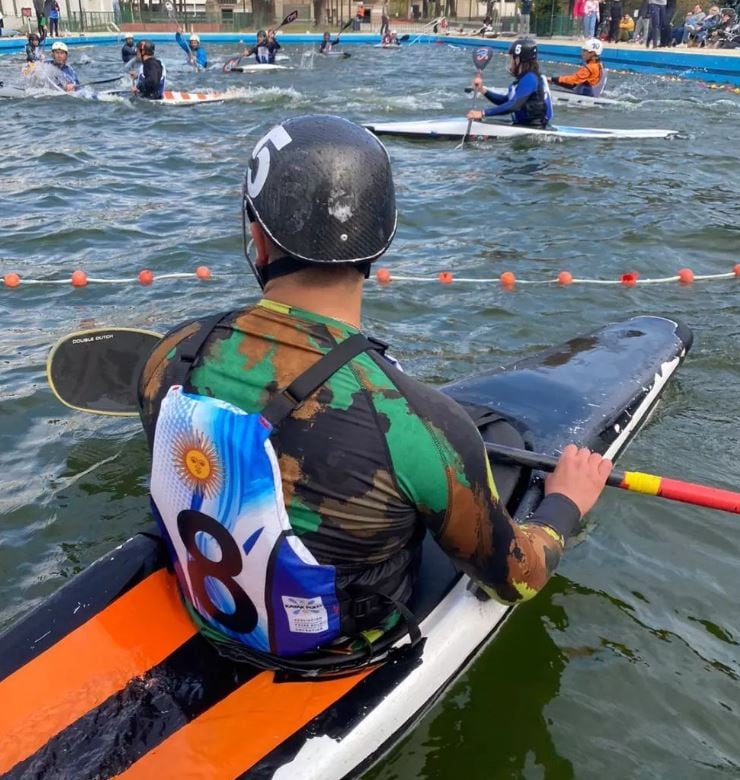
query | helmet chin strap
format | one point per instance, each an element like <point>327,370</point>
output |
<point>258,275</point>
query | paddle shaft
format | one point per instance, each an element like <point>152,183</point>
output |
<point>102,81</point>
<point>634,481</point>
<point>481,58</point>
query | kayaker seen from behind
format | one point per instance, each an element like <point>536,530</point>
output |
<point>151,80</point>
<point>196,54</point>
<point>295,468</point>
<point>62,74</point>
<point>590,78</point>
<point>528,99</point>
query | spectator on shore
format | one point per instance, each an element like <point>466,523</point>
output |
<point>656,12</point>
<point>690,25</point>
<point>41,24</point>
<point>666,29</point>
<point>54,16</point>
<point>626,28</point>
<point>615,17</point>
<point>590,17</point>
<point>578,14</point>
<point>385,21</point>
<point>525,9</point>
<point>643,24</point>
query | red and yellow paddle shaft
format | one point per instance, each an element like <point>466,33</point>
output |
<point>637,482</point>
<point>677,490</point>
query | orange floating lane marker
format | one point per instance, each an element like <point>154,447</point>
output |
<point>146,277</point>
<point>12,280</point>
<point>445,277</point>
<point>629,279</point>
<point>383,275</point>
<point>240,730</point>
<point>565,278</point>
<point>78,673</point>
<point>508,280</point>
<point>79,279</point>
<point>686,276</point>
<point>203,272</point>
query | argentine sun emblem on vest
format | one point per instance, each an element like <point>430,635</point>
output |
<point>197,464</point>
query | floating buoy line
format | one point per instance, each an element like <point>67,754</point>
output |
<point>507,279</point>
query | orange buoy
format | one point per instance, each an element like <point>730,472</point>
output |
<point>686,276</point>
<point>12,280</point>
<point>565,277</point>
<point>507,279</point>
<point>383,275</point>
<point>445,277</point>
<point>146,277</point>
<point>203,272</point>
<point>79,278</point>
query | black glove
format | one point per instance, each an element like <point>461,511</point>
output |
<point>555,80</point>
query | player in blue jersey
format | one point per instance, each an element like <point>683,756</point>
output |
<point>528,99</point>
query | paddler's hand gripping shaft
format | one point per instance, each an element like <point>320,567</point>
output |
<point>634,481</point>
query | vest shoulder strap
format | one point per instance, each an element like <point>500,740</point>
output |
<point>285,401</point>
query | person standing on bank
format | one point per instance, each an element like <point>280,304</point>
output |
<point>525,9</point>
<point>54,15</point>
<point>656,12</point>
<point>385,20</point>
<point>590,18</point>
<point>360,463</point>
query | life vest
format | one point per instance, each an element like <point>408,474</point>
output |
<point>537,111</point>
<point>600,85</point>
<point>217,495</point>
<point>263,54</point>
<point>162,80</point>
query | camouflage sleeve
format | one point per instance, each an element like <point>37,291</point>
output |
<point>442,467</point>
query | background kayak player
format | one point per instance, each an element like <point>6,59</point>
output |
<point>196,53</point>
<point>528,99</point>
<point>61,73</point>
<point>590,78</point>
<point>265,49</point>
<point>151,81</point>
<point>368,464</point>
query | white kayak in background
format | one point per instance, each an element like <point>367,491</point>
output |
<point>12,92</point>
<point>458,128</point>
<point>339,55</point>
<point>564,97</point>
<point>172,98</point>
<point>258,67</point>
<point>386,45</point>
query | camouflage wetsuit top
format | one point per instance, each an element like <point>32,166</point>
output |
<point>371,459</point>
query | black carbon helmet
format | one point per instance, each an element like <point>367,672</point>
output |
<point>525,49</point>
<point>145,47</point>
<point>321,188</point>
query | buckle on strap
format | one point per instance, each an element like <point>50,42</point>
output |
<point>362,606</point>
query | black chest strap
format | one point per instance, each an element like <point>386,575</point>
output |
<point>285,401</point>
